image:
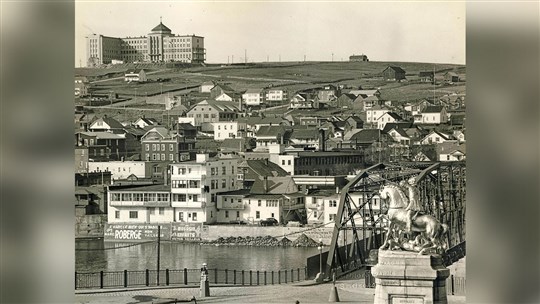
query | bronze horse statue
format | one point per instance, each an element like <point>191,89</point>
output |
<point>430,231</point>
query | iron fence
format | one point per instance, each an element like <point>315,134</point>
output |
<point>133,278</point>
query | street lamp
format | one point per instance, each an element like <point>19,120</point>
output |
<point>320,256</point>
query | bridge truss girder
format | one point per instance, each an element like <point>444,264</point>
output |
<point>441,189</point>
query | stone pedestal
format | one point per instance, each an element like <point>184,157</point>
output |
<point>403,277</point>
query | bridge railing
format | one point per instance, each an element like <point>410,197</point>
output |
<point>147,277</point>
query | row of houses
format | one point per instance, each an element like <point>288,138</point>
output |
<point>222,190</point>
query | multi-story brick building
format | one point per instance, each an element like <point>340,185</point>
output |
<point>160,45</point>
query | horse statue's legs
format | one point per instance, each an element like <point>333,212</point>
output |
<point>386,243</point>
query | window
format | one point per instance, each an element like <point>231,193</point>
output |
<point>195,197</point>
<point>258,214</point>
<point>147,157</point>
<point>162,147</point>
<point>259,203</point>
<point>171,157</point>
<point>153,156</point>
<point>226,213</point>
<point>171,147</point>
<point>223,183</point>
<point>115,197</point>
<point>181,216</point>
<point>154,147</point>
<point>152,210</point>
<point>162,156</point>
<point>331,217</point>
<point>272,214</point>
<point>161,210</point>
<point>283,162</point>
<point>194,217</point>
<point>117,214</point>
<point>289,162</point>
<point>237,214</point>
<point>133,214</point>
<point>223,170</point>
<point>147,147</point>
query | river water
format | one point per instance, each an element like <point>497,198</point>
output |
<point>90,256</point>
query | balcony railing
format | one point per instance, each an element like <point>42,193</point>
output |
<point>141,203</point>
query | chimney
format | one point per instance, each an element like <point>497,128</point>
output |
<point>322,140</point>
<point>265,184</point>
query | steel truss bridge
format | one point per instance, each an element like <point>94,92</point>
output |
<point>441,188</point>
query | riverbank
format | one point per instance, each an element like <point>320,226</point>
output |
<point>269,241</point>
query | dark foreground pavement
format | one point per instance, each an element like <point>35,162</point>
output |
<point>349,291</point>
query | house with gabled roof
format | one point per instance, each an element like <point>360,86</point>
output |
<point>135,76</point>
<point>435,137</point>
<point>399,135</point>
<point>106,124</point>
<point>209,111</point>
<point>388,117</point>
<point>432,115</point>
<point>305,138</point>
<point>393,73</point>
<point>221,88</point>
<point>451,151</point>
<point>426,76</point>
<point>302,100</point>
<point>451,77</point>
<point>373,114</point>
<point>269,137</point>
<point>229,96</point>
<point>207,86</point>
<point>143,122</point>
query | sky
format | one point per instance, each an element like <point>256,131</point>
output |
<point>420,31</point>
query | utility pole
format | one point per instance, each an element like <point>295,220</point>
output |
<point>158,250</point>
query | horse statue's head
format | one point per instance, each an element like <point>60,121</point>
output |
<point>394,194</point>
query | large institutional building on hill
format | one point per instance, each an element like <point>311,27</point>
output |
<point>160,45</point>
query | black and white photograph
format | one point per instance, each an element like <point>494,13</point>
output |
<point>270,152</point>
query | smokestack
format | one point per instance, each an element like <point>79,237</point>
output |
<point>265,184</point>
<point>322,141</point>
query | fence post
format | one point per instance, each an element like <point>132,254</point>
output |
<point>272,277</point>
<point>216,273</point>
<point>167,276</point>
<point>305,273</point>
<point>226,277</point>
<point>285,276</point>
<point>75,280</point>
<point>234,277</point>
<point>125,278</point>
<point>185,276</point>
<point>292,275</point>
<point>242,277</point>
<point>147,277</point>
<point>279,276</point>
<point>452,282</point>
<point>265,277</point>
<point>101,279</point>
<point>250,272</point>
<point>298,273</point>
<point>257,277</point>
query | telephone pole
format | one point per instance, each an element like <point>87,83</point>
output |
<point>158,251</point>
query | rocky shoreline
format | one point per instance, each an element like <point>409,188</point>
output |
<point>263,241</point>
